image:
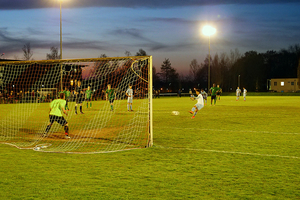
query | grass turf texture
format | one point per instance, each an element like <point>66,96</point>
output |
<point>234,150</point>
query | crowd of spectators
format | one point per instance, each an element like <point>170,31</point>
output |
<point>9,97</point>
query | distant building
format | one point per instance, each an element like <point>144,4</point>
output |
<point>284,85</point>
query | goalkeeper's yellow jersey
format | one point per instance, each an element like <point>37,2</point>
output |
<point>56,107</point>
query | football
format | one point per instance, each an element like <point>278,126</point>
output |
<point>175,113</point>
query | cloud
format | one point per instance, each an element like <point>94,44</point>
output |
<point>132,33</point>
<point>37,4</point>
<point>13,42</point>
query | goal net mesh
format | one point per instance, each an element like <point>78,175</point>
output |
<point>27,88</point>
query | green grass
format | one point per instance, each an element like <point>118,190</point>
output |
<point>234,150</point>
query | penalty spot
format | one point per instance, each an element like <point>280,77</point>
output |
<point>175,112</point>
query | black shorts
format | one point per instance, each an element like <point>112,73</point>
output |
<point>61,120</point>
<point>79,100</point>
<point>218,93</point>
<point>213,96</point>
<point>111,100</point>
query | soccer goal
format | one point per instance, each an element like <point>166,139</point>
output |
<point>103,124</point>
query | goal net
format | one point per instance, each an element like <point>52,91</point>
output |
<point>98,119</point>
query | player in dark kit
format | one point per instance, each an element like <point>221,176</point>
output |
<point>79,97</point>
<point>213,91</point>
<point>110,96</point>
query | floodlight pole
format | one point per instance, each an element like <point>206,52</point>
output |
<point>60,31</point>
<point>208,64</point>
<point>208,31</point>
<point>61,71</point>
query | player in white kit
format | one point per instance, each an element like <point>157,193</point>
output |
<point>244,93</point>
<point>129,93</point>
<point>199,105</point>
<point>204,95</point>
<point>238,92</point>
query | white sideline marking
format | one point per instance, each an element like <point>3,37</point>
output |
<point>203,129</point>
<point>232,152</point>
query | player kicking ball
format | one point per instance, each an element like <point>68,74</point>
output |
<point>55,115</point>
<point>129,94</point>
<point>199,105</point>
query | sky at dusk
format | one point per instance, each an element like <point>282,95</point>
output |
<point>163,28</point>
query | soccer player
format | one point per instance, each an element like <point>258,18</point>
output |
<point>79,97</point>
<point>213,91</point>
<point>110,96</point>
<point>238,92</point>
<point>244,93</point>
<point>88,97</point>
<point>199,105</point>
<point>56,106</point>
<point>191,93</point>
<point>67,97</point>
<point>129,93</point>
<point>218,93</point>
<point>204,94</point>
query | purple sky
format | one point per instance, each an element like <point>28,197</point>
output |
<point>164,29</point>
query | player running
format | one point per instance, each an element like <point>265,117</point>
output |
<point>199,105</point>
<point>79,97</point>
<point>110,96</point>
<point>238,92</point>
<point>244,93</point>
<point>88,97</point>
<point>129,93</point>
<point>56,106</point>
<point>204,94</point>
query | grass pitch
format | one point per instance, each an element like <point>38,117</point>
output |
<point>234,150</point>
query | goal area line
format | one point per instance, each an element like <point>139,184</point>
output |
<point>226,130</point>
<point>229,152</point>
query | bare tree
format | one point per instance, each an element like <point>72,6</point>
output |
<point>194,67</point>
<point>16,57</point>
<point>127,53</point>
<point>141,52</point>
<point>27,53</point>
<point>299,73</point>
<point>53,55</point>
<point>234,56</point>
<point>103,56</point>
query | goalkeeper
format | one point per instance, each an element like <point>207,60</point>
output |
<point>56,106</point>
<point>199,105</point>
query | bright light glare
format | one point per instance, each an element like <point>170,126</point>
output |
<point>208,30</point>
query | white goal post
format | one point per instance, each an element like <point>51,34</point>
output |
<point>95,124</point>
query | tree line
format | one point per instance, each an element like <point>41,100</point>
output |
<point>250,70</point>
